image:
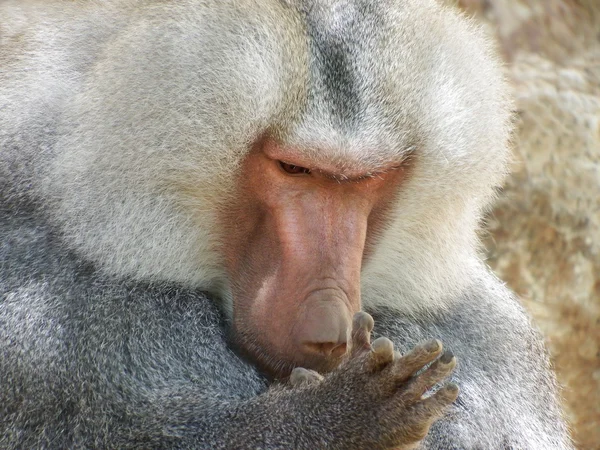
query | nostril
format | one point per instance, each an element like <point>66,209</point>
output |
<point>333,349</point>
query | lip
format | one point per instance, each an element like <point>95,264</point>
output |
<point>278,364</point>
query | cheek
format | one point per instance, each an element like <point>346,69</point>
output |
<point>243,217</point>
<point>383,208</point>
<point>259,212</point>
<point>377,223</point>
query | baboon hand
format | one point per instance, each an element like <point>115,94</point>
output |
<point>376,399</point>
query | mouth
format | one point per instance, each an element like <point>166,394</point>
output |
<point>279,365</point>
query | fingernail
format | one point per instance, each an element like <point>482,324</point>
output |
<point>446,358</point>
<point>433,346</point>
<point>363,320</point>
<point>451,388</point>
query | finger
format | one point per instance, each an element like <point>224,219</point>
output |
<point>302,376</point>
<point>422,415</point>
<point>433,407</point>
<point>381,355</point>
<point>431,376</point>
<point>362,325</point>
<point>418,358</point>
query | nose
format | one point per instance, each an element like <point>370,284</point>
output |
<point>325,330</point>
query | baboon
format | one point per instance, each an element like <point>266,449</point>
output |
<point>198,197</point>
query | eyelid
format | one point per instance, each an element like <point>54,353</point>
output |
<point>301,170</point>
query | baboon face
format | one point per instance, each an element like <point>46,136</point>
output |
<point>297,236</point>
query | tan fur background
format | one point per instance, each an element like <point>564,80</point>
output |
<point>544,235</point>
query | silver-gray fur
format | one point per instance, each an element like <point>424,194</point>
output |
<point>115,114</point>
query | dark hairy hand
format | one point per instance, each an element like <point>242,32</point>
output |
<point>378,394</point>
